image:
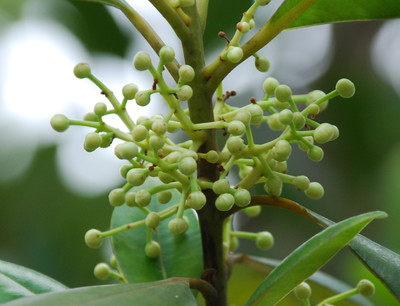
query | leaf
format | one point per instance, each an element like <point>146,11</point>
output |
<point>181,255</point>
<point>308,258</point>
<point>17,281</point>
<point>249,271</point>
<point>169,292</point>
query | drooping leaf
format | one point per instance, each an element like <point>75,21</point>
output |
<point>249,271</point>
<point>17,281</point>
<point>181,255</point>
<point>308,258</point>
<point>168,292</point>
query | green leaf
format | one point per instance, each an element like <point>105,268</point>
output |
<point>169,292</point>
<point>308,258</point>
<point>181,255</point>
<point>17,281</point>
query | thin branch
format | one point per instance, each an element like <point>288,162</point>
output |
<point>207,290</point>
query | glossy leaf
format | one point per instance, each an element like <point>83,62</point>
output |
<point>17,281</point>
<point>308,258</point>
<point>181,255</point>
<point>169,292</point>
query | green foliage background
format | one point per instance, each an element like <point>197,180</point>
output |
<point>42,224</point>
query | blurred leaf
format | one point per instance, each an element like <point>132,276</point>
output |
<point>181,255</point>
<point>249,271</point>
<point>17,281</point>
<point>169,292</point>
<point>308,258</point>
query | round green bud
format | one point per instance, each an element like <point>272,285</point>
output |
<point>126,150</point>
<point>142,197</point>
<point>242,197</point>
<point>142,61</point>
<point>286,116</point>
<point>316,95</point>
<point>315,153</point>
<point>303,146</point>
<point>130,199</point>
<point>235,144</point>
<point>152,219</point>
<point>279,166</point>
<point>262,63</point>
<point>173,157</point>
<point>212,156</point>
<point>236,127</point>
<point>59,122</point>
<point>281,105</point>
<point>301,182</point>
<point>243,27</point>
<point>244,116</point>
<point>275,123</point>
<point>82,70</point>
<point>252,24</point>
<point>281,150</point>
<point>302,291</point>
<point>234,54</point>
<point>366,287</point>
<point>167,54</point>
<point>93,238</point>
<point>269,85</point>
<point>143,120</point>
<point>139,132</point>
<point>186,73</point>
<point>256,112</point>
<point>152,249</point>
<point>224,202</point>
<point>113,261</point>
<point>91,117</point>
<point>100,109</point>
<point>224,156</point>
<point>335,132</point>
<point>299,120</point>
<point>102,271</point>
<point>263,2</point>
<point>187,165</point>
<point>164,197</point>
<point>324,132</point>
<point>252,211</point>
<point>178,226</point>
<point>221,186</point>
<point>196,200</point>
<point>159,127</point>
<point>129,91</point>
<point>92,141</point>
<point>184,93</point>
<point>116,197</point>
<point>142,98</point>
<point>187,3</point>
<point>313,109</point>
<point>345,88</point>
<point>315,191</point>
<point>137,176</point>
<point>156,142</point>
<point>164,177</point>
<point>283,93</point>
<point>124,170</point>
<point>274,186</point>
<point>264,240</point>
<point>106,139</point>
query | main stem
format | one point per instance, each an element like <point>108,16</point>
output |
<point>210,219</point>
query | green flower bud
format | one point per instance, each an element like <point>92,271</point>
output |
<point>139,132</point>
<point>92,141</point>
<point>235,145</point>
<point>130,199</point>
<point>221,186</point>
<point>263,2</point>
<point>264,240</point>
<point>93,238</point>
<point>316,95</point>
<point>302,291</point>
<point>143,120</point>
<point>142,98</point>
<point>236,127</point>
<point>142,61</point>
<point>315,153</point>
<point>137,176</point>
<point>142,197</point>
<point>224,156</point>
<point>303,146</point>
<point>129,91</point>
<point>152,219</point>
<point>59,122</point>
<point>301,182</point>
<point>366,288</point>
<point>178,226</point>
<point>299,120</point>
<point>282,150</point>
<point>91,117</point>
<point>324,132</point>
<point>224,202</point>
<point>278,166</point>
<point>244,116</point>
<point>100,109</point>
<point>82,70</point>
<point>106,139</point>
<point>262,63</point>
<point>113,261</point>
<point>345,88</point>
<point>164,197</point>
<point>315,191</point>
<point>124,170</point>
<point>116,197</point>
<point>184,93</point>
<point>283,93</point>
<point>159,127</point>
<point>269,85</point>
<point>156,142</point>
<point>274,186</point>
<point>252,211</point>
<point>196,200</point>
<point>234,54</point>
<point>252,24</point>
<point>167,54</point>
<point>102,271</point>
<point>164,177</point>
<point>286,116</point>
<point>275,123</point>
<point>212,156</point>
<point>242,197</point>
<point>126,150</point>
<point>186,73</point>
<point>152,249</point>
<point>187,165</point>
<point>256,112</point>
<point>173,157</point>
<point>243,27</point>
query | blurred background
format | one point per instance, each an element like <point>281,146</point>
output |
<point>52,191</point>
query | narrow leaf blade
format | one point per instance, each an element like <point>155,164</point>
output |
<point>308,258</point>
